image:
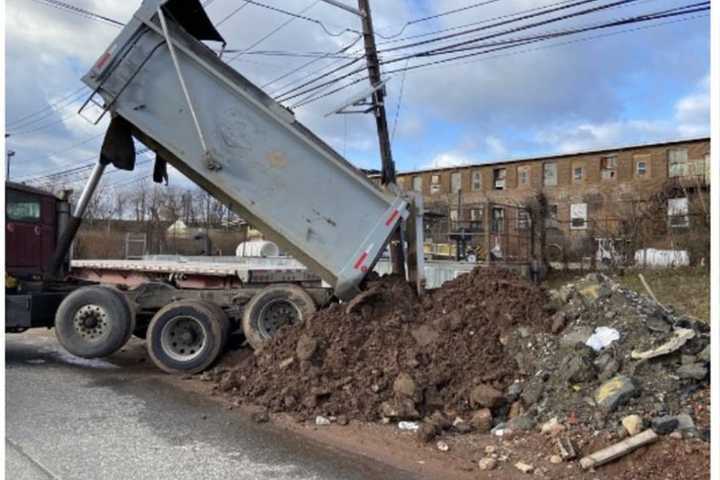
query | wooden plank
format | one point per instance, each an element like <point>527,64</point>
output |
<point>618,450</point>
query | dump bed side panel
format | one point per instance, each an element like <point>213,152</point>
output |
<point>260,161</point>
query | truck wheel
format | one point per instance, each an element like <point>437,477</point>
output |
<point>272,308</point>
<point>133,310</point>
<point>94,321</point>
<point>186,336</point>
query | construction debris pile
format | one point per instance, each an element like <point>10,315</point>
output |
<point>391,355</point>
<point>614,359</point>
<point>488,351</point>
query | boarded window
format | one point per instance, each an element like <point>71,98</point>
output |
<point>523,174</point>
<point>476,181</point>
<point>435,184</point>
<point>678,212</point>
<point>523,220</point>
<point>678,162</point>
<point>578,174</point>
<point>549,174</point>
<point>608,167</point>
<point>499,178</point>
<point>418,184</point>
<point>476,219</point>
<point>455,182</point>
<point>498,220</point>
<point>578,216</point>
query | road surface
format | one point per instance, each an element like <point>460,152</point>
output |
<point>68,418</point>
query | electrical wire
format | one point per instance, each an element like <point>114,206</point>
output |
<point>231,14</point>
<point>70,97</point>
<point>81,12</point>
<point>302,17</point>
<point>399,103</point>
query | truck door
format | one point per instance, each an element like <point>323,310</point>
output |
<point>30,232</point>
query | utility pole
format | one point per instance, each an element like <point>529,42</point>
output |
<point>10,154</point>
<point>378,96</point>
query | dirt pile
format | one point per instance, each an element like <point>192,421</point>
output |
<point>391,355</point>
<point>653,362</point>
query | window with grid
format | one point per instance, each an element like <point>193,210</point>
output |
<point>523,174</point>
<point>578,216</point>
<point>678,212</point>
<point>523,219</point>
<point>578,174</point>
<point>498,220</point>
<point>435,184</point>
<point>476,181</point>
<point>678,162</point>
<point>550,174</point>
<point>417,184</point>
<point>455,182</point>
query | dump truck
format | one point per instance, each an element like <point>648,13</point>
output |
<point>164,87</point>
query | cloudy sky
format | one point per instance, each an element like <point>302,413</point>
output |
<point>588,91</point>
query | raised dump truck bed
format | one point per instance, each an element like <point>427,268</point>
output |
<point>165,87</point>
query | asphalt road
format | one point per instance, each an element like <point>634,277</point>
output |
<point>72,419</point>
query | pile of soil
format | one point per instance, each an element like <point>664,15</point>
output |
<point>391,355</point>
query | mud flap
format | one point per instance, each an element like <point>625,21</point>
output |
<point>118,147</point>
<point>160,174</point>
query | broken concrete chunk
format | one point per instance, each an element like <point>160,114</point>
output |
<point>704,355</point>
<point>426,432</point>
<point>488,463</point>
<point>552,427</point>
<point>322,421</point>
<point>410,426</point>
<point>575,336</point>
<point>442,446</point>
<point>680,337</point>
<point>615,392</point>
<point>578,366</point>
<point>399,409</point>
<point>524,423</point>
<point>693,371</point>
<point>524,467</point>
<point>486,396</point>
<point>533,391</point>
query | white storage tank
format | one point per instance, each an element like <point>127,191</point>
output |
<point>257,248</point>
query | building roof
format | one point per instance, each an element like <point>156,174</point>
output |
<point>557,156</point>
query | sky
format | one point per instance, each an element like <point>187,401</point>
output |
<point>590,91</point>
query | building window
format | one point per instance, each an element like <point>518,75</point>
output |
<point>499,178</point>
<point>434,184</point>
<point>549,174</point>
<point>578,216</point>
<point>608,167</point>
<point>453,215</point>
<point>578,174</point>
<point>455,182</point>
<point>401,183</point>
<point>476,181</point>
<point>642,165</point>
<point>417,183</point>
<point>476,219</point>
<point>523,174</point>
<point>553,211</point>
<point>678,212</point>
<point>678,162</point>
<point>498,220</point>
<point>523,219</point>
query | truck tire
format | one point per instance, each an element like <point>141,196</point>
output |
<point>133,309</point>
<point>94,321</point>
<point>272,308</point>
<point>186,336</point>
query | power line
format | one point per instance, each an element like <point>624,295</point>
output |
<point>56,103</point>
<point>80,11</point>
<point>231,14</point>
<point>399,103</point>
<point>302,17</point>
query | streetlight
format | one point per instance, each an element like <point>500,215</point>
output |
<point>10,154</point>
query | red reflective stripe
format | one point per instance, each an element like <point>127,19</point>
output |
<point>361,260</point>
<point>102,60</point>
<point>392,218</point>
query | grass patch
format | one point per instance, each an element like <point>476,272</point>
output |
<point>687,289</point>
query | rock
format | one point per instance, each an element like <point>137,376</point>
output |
<point>575,336</point>
<point>524,467</point>
<point>424,335</point>
<point>556,459</point>
<point>286,363</point>
<point>552,427</point>
<point>440,420</point>
<point>487,463</point>
<point>578,366</point>
<point>289,401</point>
<point>490,449</point>
<point>514,391</point>
<point>228,382</point>
<point>533,391</point>
<point>482,420</point>
<point>704,355</point>
<point>633,424</point>
<point>486,396</point>
<point>523,332</point>
<point>687,359</point>
<point>410,426</point>
<point>676,435</point>
<point>685,422</point>
<point>322,421</point>
<point>693,371</point>
<point>404,386</point>
<point>664,425</point>
<point>426,432</point>
<point>615,392</point>
<point>524,423</point>
<point>610,369</point>
<point>306,347</point>
<point>442,446</point>
<point>260,416</point>
<point>342,420</point>
<point>516,410</point>
<point>400,409</point>
<point>558,323</point>
<point>310,401</point>
<point>658,324</point>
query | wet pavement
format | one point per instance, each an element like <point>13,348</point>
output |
<point>67,418</point>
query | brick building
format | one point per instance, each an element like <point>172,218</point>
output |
<point>587,193</point>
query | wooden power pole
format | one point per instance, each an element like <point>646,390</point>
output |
<point>388,165</point>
